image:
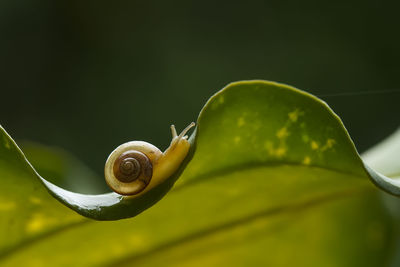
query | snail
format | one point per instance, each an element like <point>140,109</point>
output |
<point>136,166</point>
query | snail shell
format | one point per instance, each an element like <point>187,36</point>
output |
<point>129,168</point>
<point>135,167</point>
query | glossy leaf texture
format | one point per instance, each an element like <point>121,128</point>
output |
<point>273,179</point>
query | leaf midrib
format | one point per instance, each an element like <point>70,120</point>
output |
<point>241,222</point>
<point>8,251</point>
<point>195,180</point>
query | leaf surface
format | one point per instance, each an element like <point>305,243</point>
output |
<point>273,179</point>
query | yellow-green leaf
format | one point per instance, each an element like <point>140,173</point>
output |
<point>273,179</point>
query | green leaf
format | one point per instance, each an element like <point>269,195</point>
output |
<point>61,168</point>
<point>384,157</point>
<point>273,179</point>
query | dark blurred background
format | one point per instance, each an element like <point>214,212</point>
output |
<point>89,75</point>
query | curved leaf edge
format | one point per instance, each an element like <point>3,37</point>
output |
<point>387,184</point>
<point>112,206</point>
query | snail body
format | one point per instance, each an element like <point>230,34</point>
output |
<point>135,167</point>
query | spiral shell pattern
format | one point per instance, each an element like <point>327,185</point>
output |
<point>129,168</point>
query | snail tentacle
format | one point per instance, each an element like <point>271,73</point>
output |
<point>173,131</point>
<point>182,134</point>
<point>176,139</point>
